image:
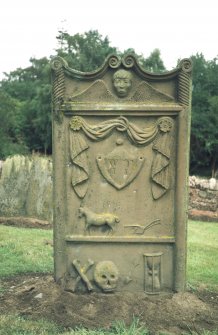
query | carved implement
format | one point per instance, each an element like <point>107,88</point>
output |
<point>82,273</point>
<point>141,229</point>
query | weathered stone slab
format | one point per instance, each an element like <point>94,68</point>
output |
<point>121,148</point>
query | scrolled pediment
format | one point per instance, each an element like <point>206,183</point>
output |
<point>120,80</point>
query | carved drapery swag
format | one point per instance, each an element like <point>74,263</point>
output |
<point>159,132</point>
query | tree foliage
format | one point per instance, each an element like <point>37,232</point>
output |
<point>204,130</point>
<point>11,125</point>
<point>31,87</point>
<point>154,63</point>
<point>84,52</point>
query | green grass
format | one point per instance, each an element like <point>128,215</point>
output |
<point>24,250</point>
<point>202,265</point>
<point>15,325</point>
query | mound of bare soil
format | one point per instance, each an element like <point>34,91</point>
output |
<point>40,297</point>
<point>25,222</point>
<point>201,215</point>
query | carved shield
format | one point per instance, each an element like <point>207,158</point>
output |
<point>119,167</point>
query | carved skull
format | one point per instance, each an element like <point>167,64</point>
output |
<point>106,276</point>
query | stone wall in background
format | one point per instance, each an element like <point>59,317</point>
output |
<point>203,199</point>
<point>26,190</point>
<point>26,187</point>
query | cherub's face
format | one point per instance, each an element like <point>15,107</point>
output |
<point>122,83</point>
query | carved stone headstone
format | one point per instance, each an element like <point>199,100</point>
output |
<point>121,148</point>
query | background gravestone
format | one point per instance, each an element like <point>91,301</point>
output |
<point>121,148</point>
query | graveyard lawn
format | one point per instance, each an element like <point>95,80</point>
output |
<point>36,296</point>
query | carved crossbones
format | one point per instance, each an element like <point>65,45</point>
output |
<point>82,273</point>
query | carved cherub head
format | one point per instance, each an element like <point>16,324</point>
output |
<point>122,81</point>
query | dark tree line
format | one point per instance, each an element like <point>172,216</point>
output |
<point>25,96</point>
<point>204,129</point>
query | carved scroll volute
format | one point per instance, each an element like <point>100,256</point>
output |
<point>185,82</point>
<point>114,61</point>
<point>128,61</point>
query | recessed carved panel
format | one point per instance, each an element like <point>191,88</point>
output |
<point>119,167</point>
<point>121,91</point>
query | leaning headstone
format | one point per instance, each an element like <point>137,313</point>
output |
<point>121,148</point>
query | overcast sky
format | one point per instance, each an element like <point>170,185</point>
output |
<point>178,28</point>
